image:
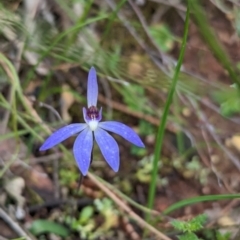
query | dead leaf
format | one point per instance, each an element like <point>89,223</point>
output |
<point>67,99</point>
<point>34,175</point>
<point>14,189</point>
<point>235,142</point>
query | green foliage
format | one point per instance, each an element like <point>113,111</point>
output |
<point>194,200</point>
<point>40,227</point>
<point>105,207</point>
<point>229,100</point>
<point>134,96</point>
<point>11,21</point>
<point>224,236</point>
<point>237,20</point>
<point>67,177</point>
<point>113,59</point>
<point>163,36</point>
<point>163,121</point>
<point>86,214</point>
<point>189,227</point>
<point>21,238</point>
<point>193,225</point>
<point>140,152</point>
<point>210,234</point>
<point>145,169</point>
<point>188,236</point>
<point>86,224</point>
<point>230,107</point>
<point>145,128</point>
<point>209,35</point>
<point>195,169</point>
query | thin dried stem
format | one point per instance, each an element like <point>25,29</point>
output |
<point>127,209</point>
<point>14,225</point>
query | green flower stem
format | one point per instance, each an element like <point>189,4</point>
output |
<point>194,200</point>
<point>212,41</point>
<point>161,128</point>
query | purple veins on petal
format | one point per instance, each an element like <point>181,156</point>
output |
<point>92,88</point>
<point>92,113</point>
<point>122,130</point>
<point>82,150</point>
<point>109,148</point>
<point>62,134</point>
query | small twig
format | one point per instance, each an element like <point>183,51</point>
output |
<point>19,44</point>
<point>34,113</point>
<point>7,112</point>
<point>209,148</point>
<point>121,107</point>
<point>80,181</point>
<point>56,179</point>
<point>49,107</point>
<point>37,118</point>
<point>10,97</point>
<point>212,131</point>
<point>162,61</point>
<point>171,4</point>
<point>231,156</point>
<point>44,159</point>
<point>56,203</point>
<point>3,238</point>
<point>127,24</point>
<point>127,209</point>
<point>221,6</point>
<point>224,211</point>
<point>235,2</point>
<point>13,224</point>
<point>144,25</point>
<point>210,151</point>
<point>215,109</point>
<point>130,229</point>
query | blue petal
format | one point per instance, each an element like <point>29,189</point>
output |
<point>82,150</point>
<point>85,115</point>
<point>92,88</point>
<point>123,130</point>
<point>62,134</point>
<point>108,147</point>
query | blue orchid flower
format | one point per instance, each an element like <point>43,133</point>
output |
<point>93,128</point>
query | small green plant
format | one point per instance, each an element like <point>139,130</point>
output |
<point>189,228</point>
<point>163,36</point>
<point>228,100</point>
<point>85,224</point>
<point>145,169</point>
<point>106,209</point>
<point>210,234</point>
<point>68,177</point>
<point>135,98</point>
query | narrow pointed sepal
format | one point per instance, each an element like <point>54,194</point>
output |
<point>62,134</point>
<point>108,147</point>
<point>92,88</point>
<point>82,150</point>
<point>122,130</point>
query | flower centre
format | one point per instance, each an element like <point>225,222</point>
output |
<point>92,113</point>
<point>93,117</point>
